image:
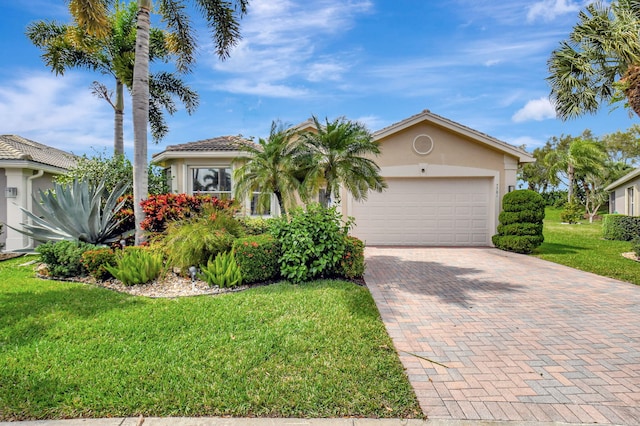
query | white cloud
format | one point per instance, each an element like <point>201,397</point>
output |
<point>248,87</point>
<point>536,109</point>
<point>281,44</point>
<point>529,142</point>
<point>548,10</point>
<point>56,111</point>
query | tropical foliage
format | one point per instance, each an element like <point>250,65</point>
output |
<point>111,171</point>
<point>80,211</point>
<point>270,167</point>
<point>600,60</point>
<point>337,153</point>
<point>223,20</point>
<point>136,265</point>
<point>312,242</point>
<point>70,46</point>
<point>581,158</point>
<point>223,271</point>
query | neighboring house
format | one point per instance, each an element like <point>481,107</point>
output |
<point>446,181</point>
<point>623,194</point>
<point>25,167</point>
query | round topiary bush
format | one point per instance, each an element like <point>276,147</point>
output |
<point>520,228</point>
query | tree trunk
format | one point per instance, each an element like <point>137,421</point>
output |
<point>278,195</point>
<point>118,131</point>
<point>632,80</point>
<point>570,175</point>
<point>140,100</point>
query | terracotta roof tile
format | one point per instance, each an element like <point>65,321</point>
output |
<point>221,143</point>
<point>13,147</point>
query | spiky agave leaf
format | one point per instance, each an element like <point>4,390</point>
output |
<point>76,212</point>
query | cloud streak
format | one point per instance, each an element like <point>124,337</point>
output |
<point>57,111</point>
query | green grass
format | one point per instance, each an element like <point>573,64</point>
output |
<point>69,350</point>
<point>582,247</point>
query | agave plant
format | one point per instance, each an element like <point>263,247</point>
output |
<point>76,211</point>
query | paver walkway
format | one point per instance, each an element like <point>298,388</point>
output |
<point>523,339</point>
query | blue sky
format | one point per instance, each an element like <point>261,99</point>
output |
<point>481,63</point>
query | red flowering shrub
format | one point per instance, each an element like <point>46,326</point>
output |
<point>164,207</point>
<point>161,208</point>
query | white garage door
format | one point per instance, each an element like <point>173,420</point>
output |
<point>426,212</point>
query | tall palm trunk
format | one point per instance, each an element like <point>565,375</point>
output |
<point>140,100</point>
<point>571,176</point>
<point>118,130</point>
<point>632,91</point>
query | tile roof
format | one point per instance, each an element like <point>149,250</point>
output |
<point>13,147</point>
<point>221,143</point>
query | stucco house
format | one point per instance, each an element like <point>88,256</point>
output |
<point>25,167</point>
<point>623,194</point>
<point>446,181</point>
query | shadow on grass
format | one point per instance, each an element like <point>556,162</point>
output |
<point>450,284</point>
<point>27,316</point>
<point>555,248</point>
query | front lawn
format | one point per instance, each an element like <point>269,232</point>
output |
<point>315,350</point>
<point>582,247</point>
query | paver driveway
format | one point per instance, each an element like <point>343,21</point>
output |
<point>523,339</point>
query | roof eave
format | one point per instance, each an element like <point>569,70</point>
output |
<point>163,156</point>
<point>34,165</point>
<point>624,179</point>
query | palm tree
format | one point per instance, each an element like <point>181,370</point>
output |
<point>599,62</point>
<point>269,168</point>
<point>223,20</point>
<point>69,46</point>
<point>336,154</point>
<point>582,157</point>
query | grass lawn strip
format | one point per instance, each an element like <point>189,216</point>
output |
<point>69,350</point>
<point>582,247</point>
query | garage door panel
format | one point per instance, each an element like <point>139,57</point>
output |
<point>426,212</point>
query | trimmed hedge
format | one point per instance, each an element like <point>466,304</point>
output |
<point>620,227</point>
<point>520,228</point>
<point>258,257</point>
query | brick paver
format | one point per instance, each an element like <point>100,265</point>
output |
<point>522,339</point>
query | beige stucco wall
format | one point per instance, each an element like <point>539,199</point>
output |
<point>27,184</point>
<point>452,155</point>
<point>622,200</point>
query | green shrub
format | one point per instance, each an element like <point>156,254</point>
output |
<point>256,225</point>
<point>193,241</point>
<point>635,246</point>
<point>352,263</point>
<point>531,216</point>
<point>94,262</point>
<point>136,265</point>
<point>223,271</point>
<point>620,227</point>
<point>571,213</point>
<point>524,228</point>
<point>258,257</point>
<point>520,228</point>
<point>517,243</point>
<point>312,242</point>
<point>64,258</point>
